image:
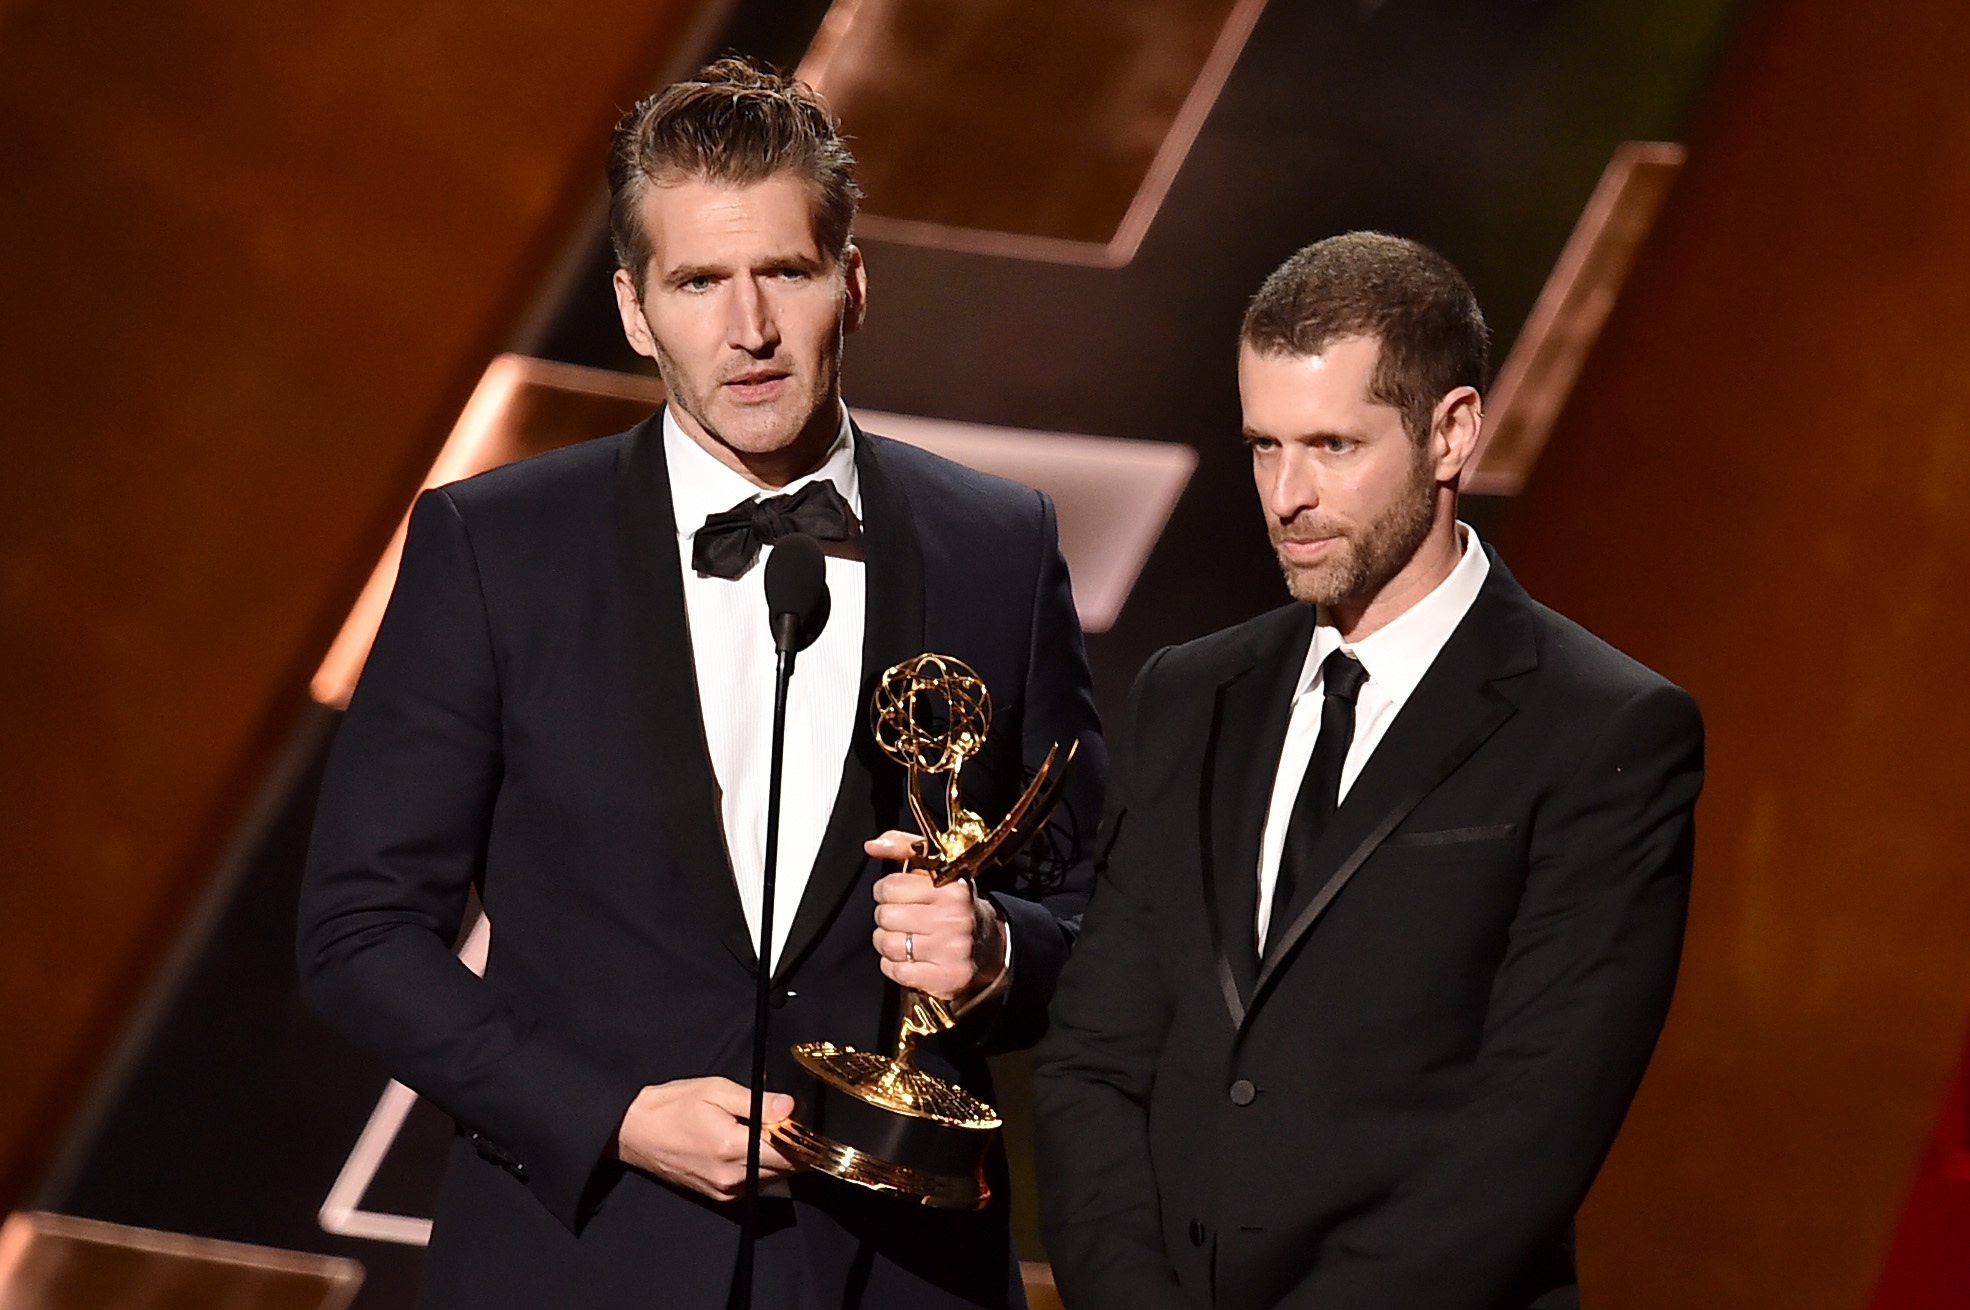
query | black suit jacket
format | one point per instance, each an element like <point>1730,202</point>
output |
<point>528,726</point>
<point>1403,1104</point>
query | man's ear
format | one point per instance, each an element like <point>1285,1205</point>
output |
<point>634,326</point>
<point>856,285</point>
<point>1454,431</point>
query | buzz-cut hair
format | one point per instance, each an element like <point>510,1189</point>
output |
<point>1410,299</point>
<point>736,123</point>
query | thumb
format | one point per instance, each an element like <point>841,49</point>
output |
<point>894,845</point>
<point>733,1098</point>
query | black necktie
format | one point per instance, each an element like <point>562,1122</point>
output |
<point>1341,676</point>
<point>728,543</point>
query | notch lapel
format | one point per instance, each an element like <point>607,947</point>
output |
<point>1248,730</point>
<point>663,683</point>
<point>1454,710</point>
<point>871,792</point>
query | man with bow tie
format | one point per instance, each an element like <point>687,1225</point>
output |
<point>568,708</point>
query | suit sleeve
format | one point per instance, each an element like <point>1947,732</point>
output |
<point>1050,886</point>
<point>1575,1010</point>
<point>1099,1211</point>
<point>399,839</point>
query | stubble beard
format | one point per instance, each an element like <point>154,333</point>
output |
<point>1370,555</point>
<point>684,391</point>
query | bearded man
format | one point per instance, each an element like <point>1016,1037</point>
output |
<point>568,708</point>
<point>1395,878</point>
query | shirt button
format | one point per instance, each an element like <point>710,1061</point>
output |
<point>1243,1093</point>
<point>1197,1233</point>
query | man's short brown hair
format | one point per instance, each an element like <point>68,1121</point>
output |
<point>1400,292</point>
<point>735,123</point>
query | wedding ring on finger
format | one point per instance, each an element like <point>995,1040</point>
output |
<point>910,947</point>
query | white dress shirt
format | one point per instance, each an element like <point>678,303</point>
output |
<point>732,649</point>
<point>1395,656</point>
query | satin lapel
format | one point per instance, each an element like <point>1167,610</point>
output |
<point>1453,711</point>
<point>871,792</point>
<point>664,685</point>
<point>1247,731</point>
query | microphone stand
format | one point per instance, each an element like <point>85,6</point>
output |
<point>763,992</point>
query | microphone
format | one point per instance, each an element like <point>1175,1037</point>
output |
<point>797,607</point>
<point>796,592</point>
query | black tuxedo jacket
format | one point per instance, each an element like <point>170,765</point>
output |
<point>527,727</point>
<point>1402,1104</point>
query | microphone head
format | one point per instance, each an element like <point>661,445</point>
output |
<point>796,591</point>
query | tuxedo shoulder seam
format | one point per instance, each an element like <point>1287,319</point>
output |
<point>912,463</point>
<point>541,477</point>
<point>1228,651</point>
<point>1588,664</point>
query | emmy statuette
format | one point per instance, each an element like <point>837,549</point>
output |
<point>879,1121</point>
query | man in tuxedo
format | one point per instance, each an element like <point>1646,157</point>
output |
<point>568,710</point>
<point>1393,888</point>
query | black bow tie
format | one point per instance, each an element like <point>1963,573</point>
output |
<point>728,543</point>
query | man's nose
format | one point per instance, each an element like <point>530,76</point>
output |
<point>1293,485</point>
<point>752,328</point>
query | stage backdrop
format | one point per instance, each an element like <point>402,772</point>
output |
<point>1762,488</point>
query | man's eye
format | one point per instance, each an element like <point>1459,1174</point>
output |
<point>1261,445</point>
<point>1336,445</point>
<point>698,284</point>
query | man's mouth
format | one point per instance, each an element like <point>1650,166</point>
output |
<point>756,384</point>
<point>1305,550</point>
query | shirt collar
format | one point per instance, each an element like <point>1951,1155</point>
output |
<point>701,485</point>
<point>1398,654</point>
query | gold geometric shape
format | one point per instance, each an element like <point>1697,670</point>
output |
<point>57,1262</point>
<point>1537,377</point>
<point>342,1211</point>
<point>1028,128</point>
<point>1041,1294</point>
<point>1114,494</point>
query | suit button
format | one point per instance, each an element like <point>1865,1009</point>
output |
<point>781,996</point>
<point>1197,1233</point>
<point>1243,1093</point>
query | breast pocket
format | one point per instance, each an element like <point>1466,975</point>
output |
<point>1454,836</point>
